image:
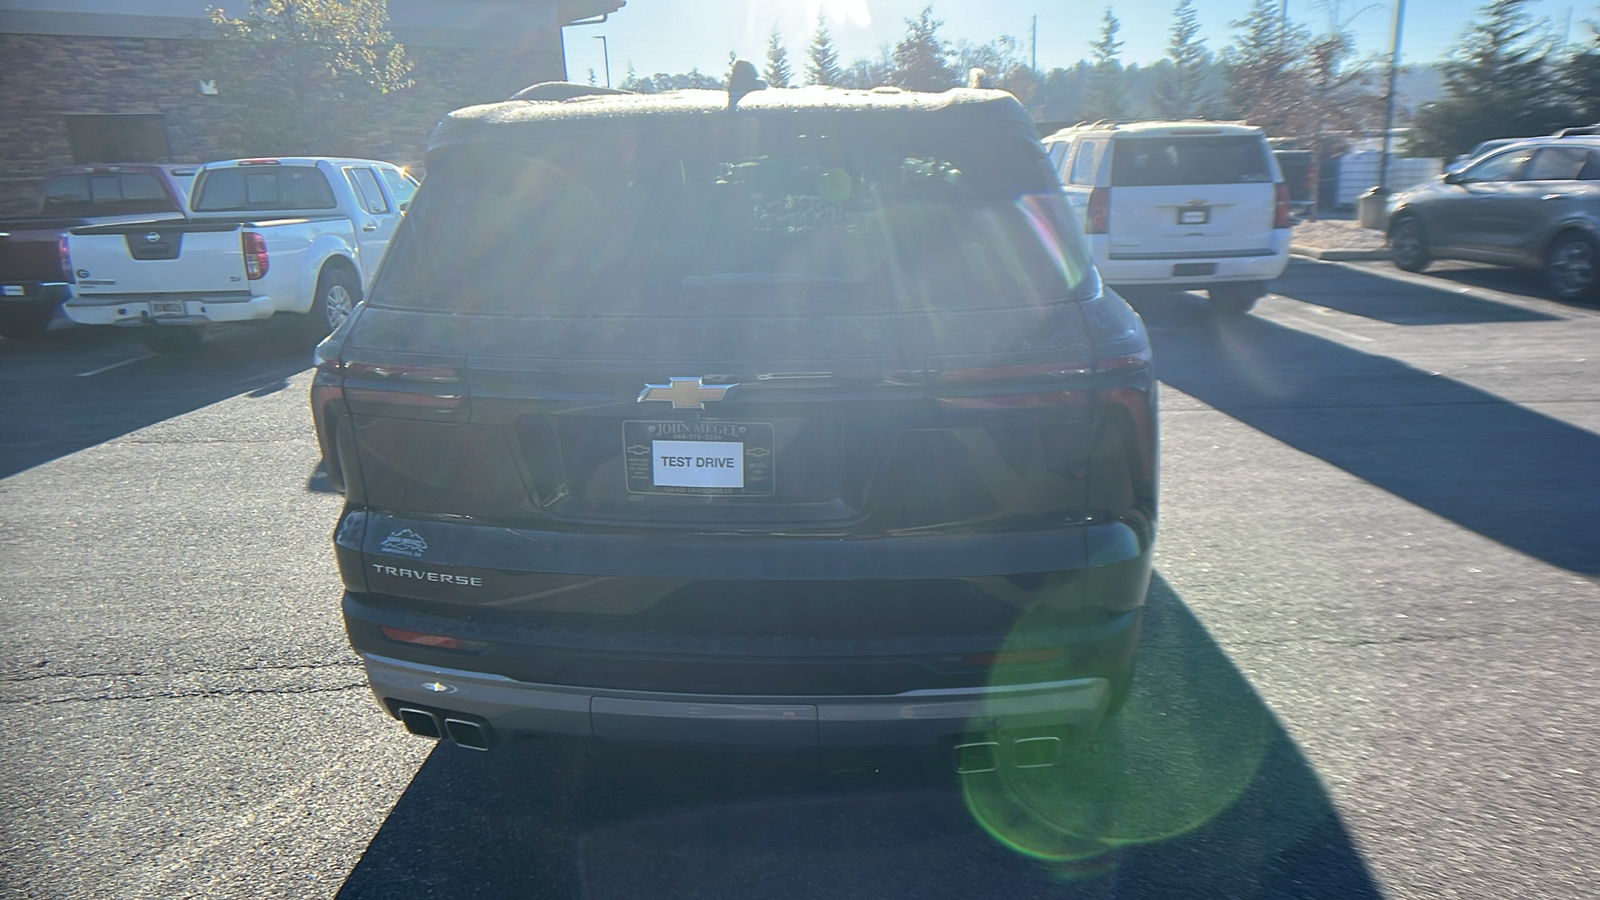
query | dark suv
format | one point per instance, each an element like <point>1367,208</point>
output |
<point>802,423</point>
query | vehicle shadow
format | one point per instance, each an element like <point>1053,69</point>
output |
<point>1521,282</point>
<point>1505,471</point>
<point>78,387</point>
<point>1374,296</point>
<point>1194,790</point>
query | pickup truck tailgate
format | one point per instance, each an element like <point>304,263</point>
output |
<point>203,259</point>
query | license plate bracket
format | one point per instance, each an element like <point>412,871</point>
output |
<point>1194,216</point>
<point>699,458</point>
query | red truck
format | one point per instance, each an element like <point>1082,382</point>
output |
<point>35,271</point>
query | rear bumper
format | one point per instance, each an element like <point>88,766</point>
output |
<point>32,296</point>
<point>136,310</point>
<point>1176,271</point>
<point>915,719</point>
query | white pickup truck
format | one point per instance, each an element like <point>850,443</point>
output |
<point>263,237</point>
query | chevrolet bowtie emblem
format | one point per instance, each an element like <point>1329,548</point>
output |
<point>685,393</point>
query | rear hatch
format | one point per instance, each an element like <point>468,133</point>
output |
<point>748,326</point>
<point>1191,193</point>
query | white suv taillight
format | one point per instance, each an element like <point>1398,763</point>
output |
<point>1280,210</point>
<point>1099,211</point>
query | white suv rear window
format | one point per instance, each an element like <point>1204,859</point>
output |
<point>1189,159</point>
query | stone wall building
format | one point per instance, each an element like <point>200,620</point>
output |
<point>114,81</point>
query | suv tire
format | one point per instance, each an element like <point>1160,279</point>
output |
<point>1572,267</point>
<point>1408,245</point>
<point>170,339</point>
<point>1236,298</point>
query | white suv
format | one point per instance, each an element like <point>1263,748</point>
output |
<point>1179,205</point>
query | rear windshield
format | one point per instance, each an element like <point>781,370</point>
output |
<point>251,188</point>
<point>105,193</point>
<point>1189,159</point>
<point>734,217</point>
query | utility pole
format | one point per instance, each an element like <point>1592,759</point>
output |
<point>606,47</point>
<point>1388,102</point>
<point>1035,62</point>
<point>1283,24</point>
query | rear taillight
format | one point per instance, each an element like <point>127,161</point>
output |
<point>1280,210</point>
<point>1051,384</point>
<point>421,388</point>
<point>255,255</point>
<point>64,255</point>
<point>1099,211</point>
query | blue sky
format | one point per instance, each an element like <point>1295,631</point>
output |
<point>676,35</point>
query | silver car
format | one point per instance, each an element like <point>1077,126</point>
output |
<point>1532,205</point>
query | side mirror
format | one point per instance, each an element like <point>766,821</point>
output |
<point>1453,178</point>
<point>405,205</point>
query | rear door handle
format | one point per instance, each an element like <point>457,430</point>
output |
<point>370,226</point>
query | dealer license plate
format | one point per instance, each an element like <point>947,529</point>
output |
<point>1194,216</point>
<point>166,308</point>
<point>699,457</point>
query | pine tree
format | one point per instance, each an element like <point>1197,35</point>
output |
<point>823,67</point>
<point>1182,92</point>
<point>1266,85</point>
<point>1497,84</point>
<point>778,73</point>
<point>921,59</point>
<point>1106,97</point>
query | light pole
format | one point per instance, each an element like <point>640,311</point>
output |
<point>605,46</point>
<point>1388,103</point>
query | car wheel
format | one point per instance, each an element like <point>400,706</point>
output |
<point>21,325</point>
<point>170,339</point>
<point>336,299</point>
<point>1235,298</point>
<point>1408,245</point>
<point>1572,267</point>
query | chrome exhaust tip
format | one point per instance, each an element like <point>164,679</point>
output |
<point>471,735</point>
<point>420,722</point>
<point>982,755</point>
<point>1040,752</point>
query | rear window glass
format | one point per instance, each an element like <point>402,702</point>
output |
<point>735,217</point>
<point>250,188</point>
<point>1189,159</point>
<point>102,193</point>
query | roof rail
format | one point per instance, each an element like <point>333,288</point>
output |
<point>1580,131</point>
<point>562,90</point>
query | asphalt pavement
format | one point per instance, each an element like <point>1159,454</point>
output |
<point>1368,670</point>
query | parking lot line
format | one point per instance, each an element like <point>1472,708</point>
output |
<point>116,365</point>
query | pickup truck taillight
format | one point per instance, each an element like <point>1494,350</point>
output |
<point>255,255</point>
<point>65,257</point>
<point>1099,211</point>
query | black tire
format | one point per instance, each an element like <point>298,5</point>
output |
<point>23,325</point>
<point>1572,267</point>
<point>1408,245</point>
<point>170,339</point>
<point>1235,298</point>
<point>337,296</point>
